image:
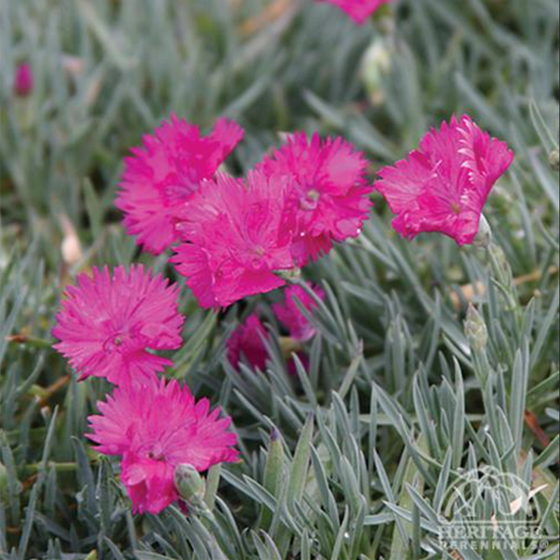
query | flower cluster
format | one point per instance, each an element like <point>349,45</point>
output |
<point>109,326</point>
<point>234,238</point>
<point>358,10</point>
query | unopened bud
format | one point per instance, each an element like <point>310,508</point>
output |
<point>23,80</point>
<point>189,484</point>
<point>554,160</point>
<point>289,346</point>
<point>484,236</point>
<point>476,330</point>
<point>289,275</point>
<point>376,64</point>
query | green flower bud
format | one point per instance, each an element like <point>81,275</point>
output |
<point>189,484</point>
<point>554,160</point>
<point>376,64</point>
<point>476,330</point>
<point>484,236</point>
<point>289,275</point>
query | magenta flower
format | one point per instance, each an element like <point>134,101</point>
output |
<point>329,191</point>
<point>238,237</point>
<point>248,341</point>
<point>443,186</point>
<point>290,315</point>
<point>165,172</point>
<point>108,323</point>
<point>358,10</point>
<point>155,428</point>
<point>23,81</point>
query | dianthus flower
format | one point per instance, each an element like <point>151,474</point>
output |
<point>358,10</point>
<point>329,194</point>
<point>238,235</point>
<point>290,315</point>
<point>155,428</point>
<point>443,186</point>
<point>108,322</point>
<point>248,341</point>
<point>165,172</point>
<point>23,81</point>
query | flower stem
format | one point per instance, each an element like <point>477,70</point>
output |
<point>34,468</point>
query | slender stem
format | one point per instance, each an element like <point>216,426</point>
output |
<point>22,338</point>
<point>34,468</point>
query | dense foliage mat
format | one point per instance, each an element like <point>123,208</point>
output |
<point>430,361</point>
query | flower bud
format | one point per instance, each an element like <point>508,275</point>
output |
<point>554,160</point>
<point>376,64</point>
<point>484,236</point>
<point>23,81</point>
<point>289,346</point>
<point>189,484</point>
<point>289,275</point>
<point>476,330</point>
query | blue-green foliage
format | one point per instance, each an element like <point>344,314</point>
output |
<point>399,399</point>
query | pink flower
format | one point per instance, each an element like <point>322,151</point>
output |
<point>248,341</point>
<point>329,191</point>
<point>238,236</point>
<point>290,315</point>
<point>358,10</point>
<point>156,428</point>
<point>23,81</point>
<point>108,323</point>
<point>443,186</point>
<point>165,172</point>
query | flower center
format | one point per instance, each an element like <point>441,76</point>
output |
<point>311,200</point>
<point>456,208</point>
<point>114,342</point>
<point>258,254</point>
<point>155,456</point>
<point>121,340</point>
